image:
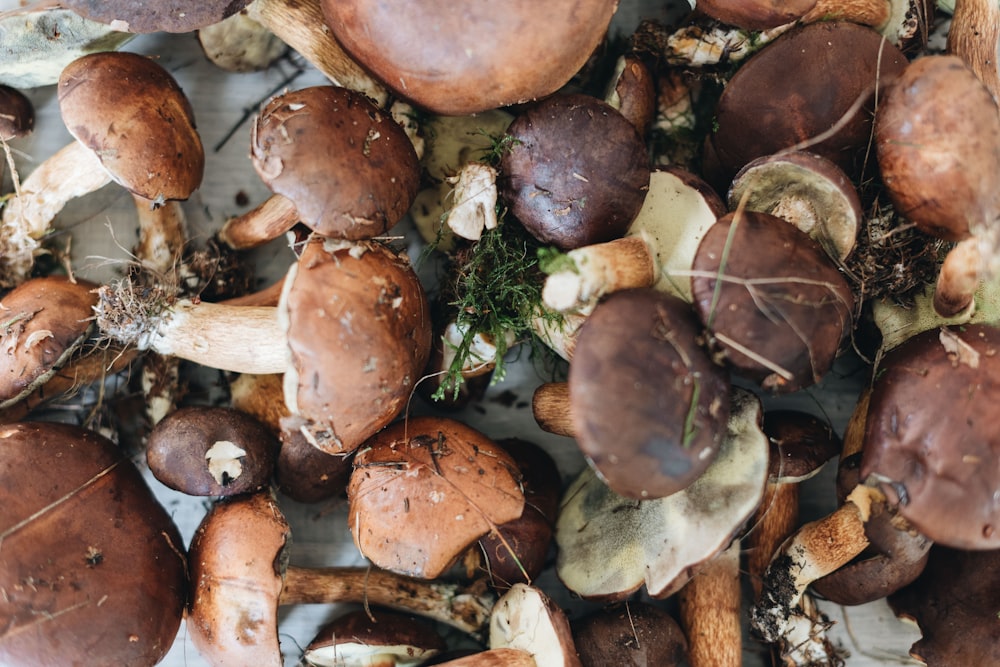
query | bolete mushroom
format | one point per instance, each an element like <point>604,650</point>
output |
<point>633,634</point>
<point>526,618</point>
<point>374,638</point>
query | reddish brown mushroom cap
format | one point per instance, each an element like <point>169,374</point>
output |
<point>161,16</point>
<point>374,638</point>
<point>346,164</point>
<point>779,315</point>
<point>17,114</point>
<point>45,321</point>
<point>755,14</point>
<point>931,438</point>
<point>461,58</point>
<point>133,115</point>
<point>87,548</point>
<point>800,444</point>
<point>631,634</point>
<point>575,172</point>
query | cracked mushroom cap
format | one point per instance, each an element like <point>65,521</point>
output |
<point>211,451</point>
<point>133,115</point>
<point>359,334</point>
<point>465,57</point>
<point>161,16</point>
<point>931,440</point>
<point>649,407</point>
<point>346,164</point>
<point>45,320</point>
<point>778,316</point>
<point>426,488</point>
<point>575,171</point>
<point>92,568</point>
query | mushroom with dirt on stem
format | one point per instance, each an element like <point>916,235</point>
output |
<point>240,576</point>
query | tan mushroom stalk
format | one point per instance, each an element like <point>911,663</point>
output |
<point>239,571</point>
<point>355,309</point>
<point>974,36</point>
<point>709,611</point>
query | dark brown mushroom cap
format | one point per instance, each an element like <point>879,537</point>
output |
<point>630,634</point>
<point>800,444</point>
<point>649,407</point>
<point>575,171</point>
<point>346,164</point>
<point>782,308</point>
<point>462,58</point>
<point>374,637</point>
<point>424,489</point>
<point>44,321</point>
<point>931,439</point>
<point>954,601</point>
<point>133,115</point>
<point>211,451</point>
<point>17,114</point>
<point>776,99</point>
<point>756,14</point>
<point>937,135</point>
<point>163,16</point>
<point>306,473</point>
<point>87,547</point>
<point>359,332</point>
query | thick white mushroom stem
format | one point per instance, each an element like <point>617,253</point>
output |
<point>710,612</point>
<point>162,235</point>
<point>72,172</point>
<point>958,279</point>
<point>269,220</point>
<point>467,609</point>
<point>242,339</point>
<point>815,550</point>
<point>302,26</point>
<point>600,269</point>
<point>974,36</point>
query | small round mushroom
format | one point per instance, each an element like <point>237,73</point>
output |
<point>92,568</point>
<point>374,638</point>
<point>425,489</point>
<point>481,59</point>
<point>211,451</point>
<point>45,320</point>
<point>631,634</point>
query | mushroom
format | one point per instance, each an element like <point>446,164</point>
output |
<point>43,322</point>
<point>425,489</point>
<point>374,638</point>
<point>17,114</point>
<point>778,318</point>
<point>631,634</point>
<point>240,575</point>
<point>974,35</point>
<point>133,125</point>
<point>351,335</point>
<point>525,618</point>
<point>632,91</point>
<point>482,59</point>
<point>709,605</point>
<point>169,16</point>
<point>92,568</point>
<point>211,451</point>
<point>567,193</point>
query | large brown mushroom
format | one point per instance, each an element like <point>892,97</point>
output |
<point>92,568</point>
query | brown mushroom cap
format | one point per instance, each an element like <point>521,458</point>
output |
<point>776,99</point>
<point>630,634</point>
<point>137,120</point>
<point>306,473</point>
<point>931,439</point>
<point>374,638</point>
<point>87,548</point>
<point>162,16</point>
<point>346,164</point>
<point>649,407</point>
<point>211,451</point>
<point>954,602</point>
<point>779,316</point>
<point>755,14</point>
<point>938,142</point>
<point>359,332</point>
<point>426,488</point>
<point>45,321</point>
<point>458,59</point>
<point>800,444</point>
<point>575,171</point>
<point>17,114</point>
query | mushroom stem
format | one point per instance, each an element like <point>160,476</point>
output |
<point>599,269</point>
<point>302,26</point>
<point>958,279</point>
<point>816,549</point>
<point>710,612</point>
<point>776,519</point>
<point>273,217</point>
<point>974,36</point>
<point>874,13</point>
<point>72,172</point>
<point>211,334</point>
<point>465,608</point>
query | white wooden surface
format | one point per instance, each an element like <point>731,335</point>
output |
<point>101,225</point>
